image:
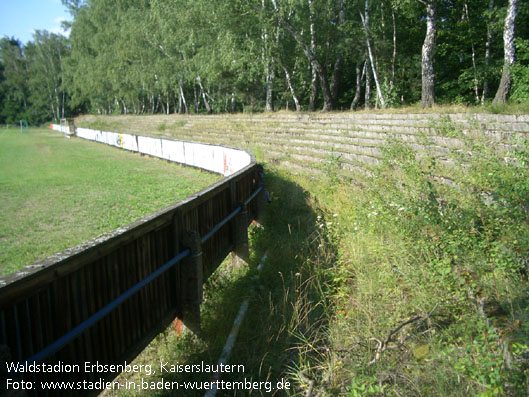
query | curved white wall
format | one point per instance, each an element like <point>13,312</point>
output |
<point>219,159</point>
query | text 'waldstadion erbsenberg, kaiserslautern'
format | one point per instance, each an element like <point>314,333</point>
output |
<point>147,369</point>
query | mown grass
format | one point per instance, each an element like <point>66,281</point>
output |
<point>56,192</point>
<point>396,284</point>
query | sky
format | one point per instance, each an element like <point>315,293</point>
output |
<point>19,18</point>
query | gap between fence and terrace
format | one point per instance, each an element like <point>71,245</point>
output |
<point>104,300</point>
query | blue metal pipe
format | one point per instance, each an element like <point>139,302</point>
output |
<point>89,322</point>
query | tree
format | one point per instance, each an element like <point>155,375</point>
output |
<point>14,84</point>
<point>301,18</point>
<point>428,50</point>
<point>509,54</point>
<point>45,63</point>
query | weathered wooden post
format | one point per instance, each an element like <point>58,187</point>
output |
<point>191,281</point>
<point>262,198</point>
<point>242,249</point>
<point>71,127</point>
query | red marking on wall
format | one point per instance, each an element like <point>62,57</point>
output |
<point>178,326</point>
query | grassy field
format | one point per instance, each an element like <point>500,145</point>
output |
<point>394,285</point>
<point>56,192</point>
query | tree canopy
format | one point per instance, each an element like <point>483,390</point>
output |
<point>167,56</point>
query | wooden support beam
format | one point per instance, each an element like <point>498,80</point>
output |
<point>191,281</point>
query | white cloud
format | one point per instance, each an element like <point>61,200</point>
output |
<point>57,27</point>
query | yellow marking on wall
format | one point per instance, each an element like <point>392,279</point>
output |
<point>121,141</point>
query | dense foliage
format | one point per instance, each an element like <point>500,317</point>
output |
<point>154,56</point>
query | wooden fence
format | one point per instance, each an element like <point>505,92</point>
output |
<point>105,300</point>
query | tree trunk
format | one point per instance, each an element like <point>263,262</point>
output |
<point>428,49</point>
<point>314,73</point>
<point>204,99</point>
<point>313,89</point>
<point>311,56</point>
<point>509,53</point>
<point>269,69</point>
<point>359,78</point>
<point>183,99</point>
<point>365,21</point>
<point>291,88</point>
<point>476,81</point>
<point>367,93</point>
<point>328,102</point>
<point>394,55</point>
<point>487,54</point>
<point>269,106</point>
<point>195,94</point>
<point>338,65</point>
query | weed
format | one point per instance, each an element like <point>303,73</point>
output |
<point>179,123</point>
<point>331,166</point>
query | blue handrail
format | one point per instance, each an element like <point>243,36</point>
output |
<point>92,320</point>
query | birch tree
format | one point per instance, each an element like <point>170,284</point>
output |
<point>502,94</point>
<point>428,50</point>
<point>309,48</point>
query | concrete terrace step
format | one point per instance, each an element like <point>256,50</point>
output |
<point>352,141</point>
<point>498,133</point>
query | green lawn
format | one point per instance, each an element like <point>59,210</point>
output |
<point>56,192</point>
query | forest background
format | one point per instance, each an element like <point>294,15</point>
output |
<point>214,56</point>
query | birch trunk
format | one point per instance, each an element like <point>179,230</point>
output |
<point>338,65</point>
<point>373,68</point>
<point>183,99</point>
<point>394,55</point>
<point>365,22</point>
<point>509,54</point>
<point>310,53</point>
<point>476,81</point>
<point>269,106</point>
<point>359,78</point>
<point>291,88</point>
<point>313,89</point>
<point>428,49</point>
<point>204,98</point>
<point>269,70</point>
<point>314,79</point>
<point>487,54</point>
<point>367,93</point>
<point>196,100</point>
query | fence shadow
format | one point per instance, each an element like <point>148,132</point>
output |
<point>285,302</point>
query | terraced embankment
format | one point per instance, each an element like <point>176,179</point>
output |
<point>310,141</point>
<point>397,285</point>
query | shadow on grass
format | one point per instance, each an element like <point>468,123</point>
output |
<point>287,309</point>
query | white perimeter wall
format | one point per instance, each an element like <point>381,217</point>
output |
<point>219,159</point>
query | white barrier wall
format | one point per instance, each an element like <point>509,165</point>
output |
<point>61,128</point>
<point>219,159</point>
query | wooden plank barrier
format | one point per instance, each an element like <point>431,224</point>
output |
<point>59,311</point>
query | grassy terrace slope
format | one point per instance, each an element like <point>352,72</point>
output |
<point>56,193</point>
<point>398,284</point>
<point>353,141</point>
